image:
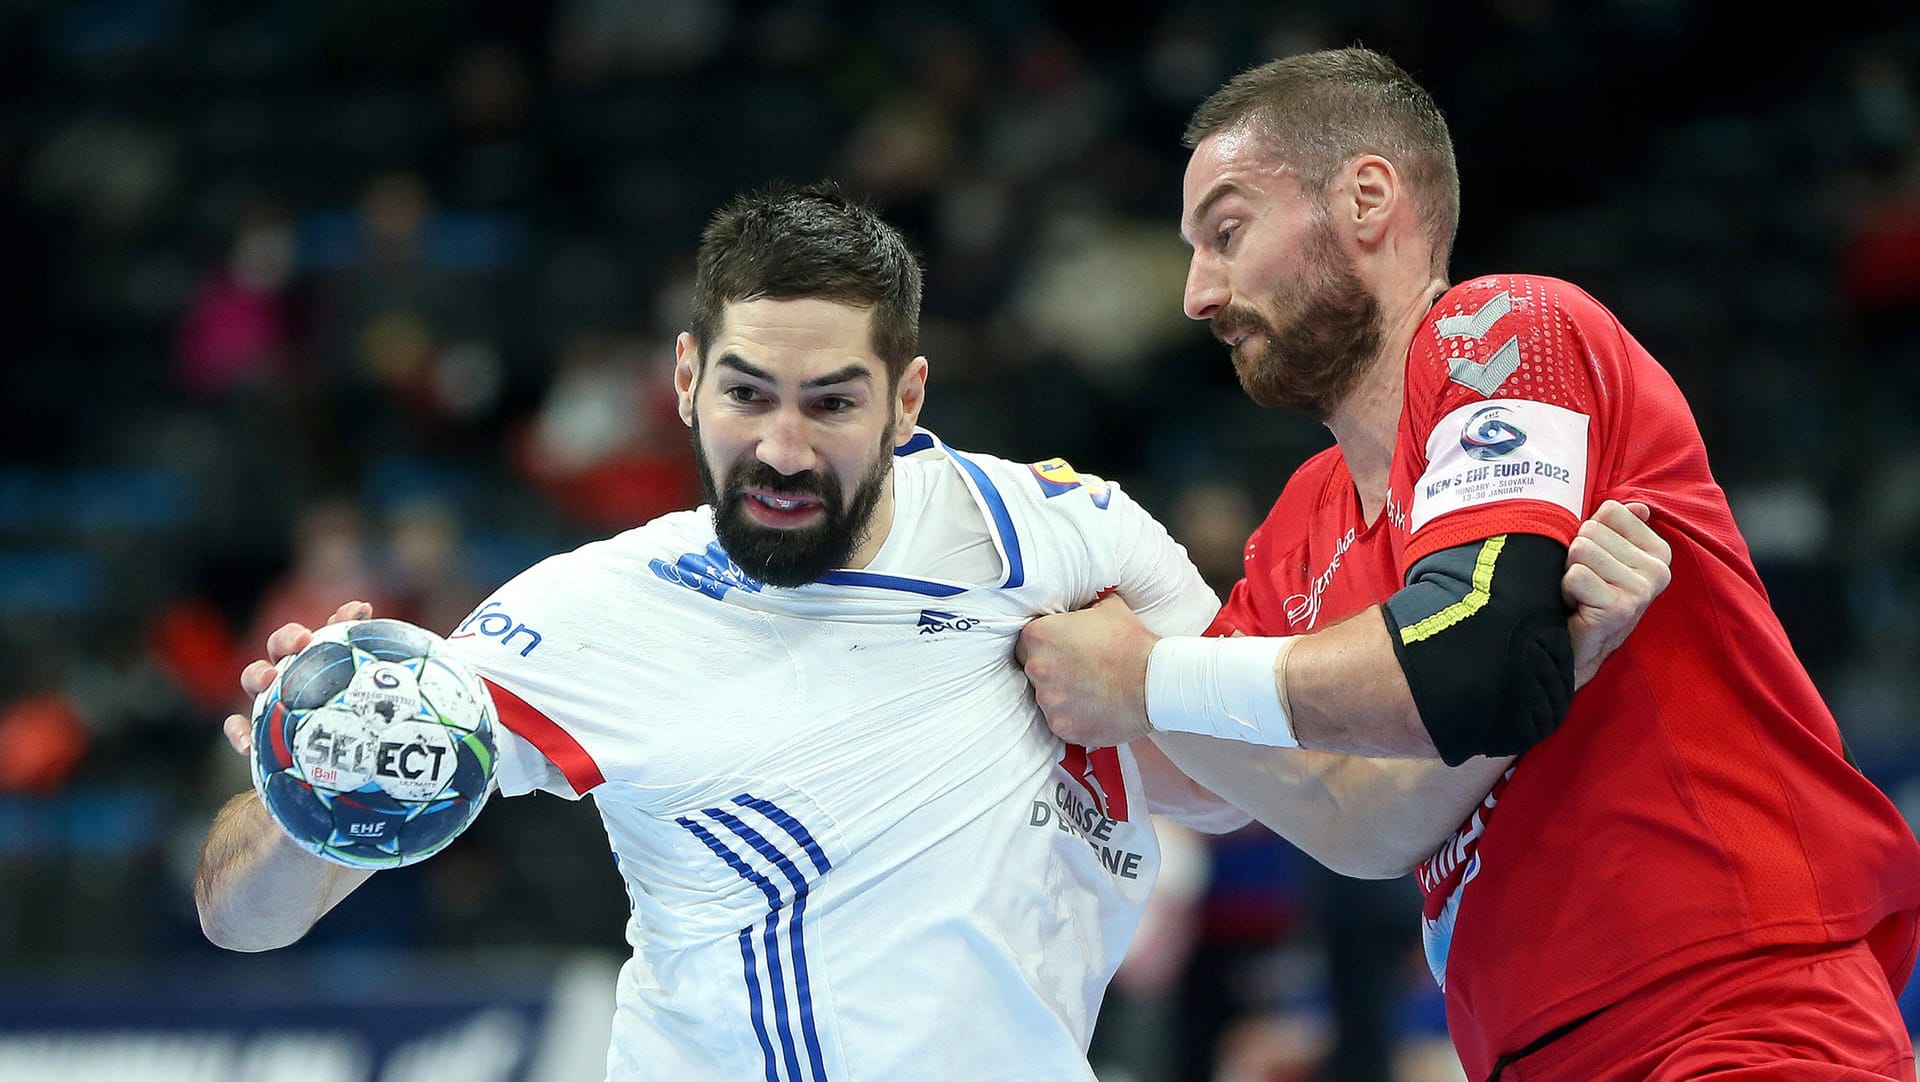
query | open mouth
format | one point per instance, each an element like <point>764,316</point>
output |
<point>780,509</point>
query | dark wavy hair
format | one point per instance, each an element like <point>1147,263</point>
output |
<point>787,242</point>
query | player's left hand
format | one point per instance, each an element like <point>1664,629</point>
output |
<point>1616,566</point>
<point>286,641</point>
<point>1089,672</point>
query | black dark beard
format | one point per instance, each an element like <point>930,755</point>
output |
<point>799,556</point>
<point>1312,364</point>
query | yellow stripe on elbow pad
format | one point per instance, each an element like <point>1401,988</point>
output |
<point>1475,600</point>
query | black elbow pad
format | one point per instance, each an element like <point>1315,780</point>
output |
<point>1481,633</point>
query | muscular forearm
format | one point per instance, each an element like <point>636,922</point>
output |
<point>1347,694</point>
<point>1368,818</point>
<point>1171,793</point>
<point>255,889</point>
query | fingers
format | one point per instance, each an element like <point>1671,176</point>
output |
<point>1629,524</point>
<point>1604,552</point>
<point>352,610</point>
<point>1631,541</point>
<point>1617,557</point>
<point>1584,587</point>
<point>239,732</point>
<point>256,677</point>
<point>287,640</point>
<point>1636,528</point>
<point>290,639</point>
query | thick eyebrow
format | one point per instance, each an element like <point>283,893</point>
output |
<point>848,374</point>
<point>1215,194</point>
<point>744,367</point>
<point>839,375</point>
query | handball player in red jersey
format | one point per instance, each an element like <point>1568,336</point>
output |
<point>1675,873</point>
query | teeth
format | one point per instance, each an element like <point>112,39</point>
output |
<point>779,504</point>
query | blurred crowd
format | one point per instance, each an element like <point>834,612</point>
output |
<point>307,301</point>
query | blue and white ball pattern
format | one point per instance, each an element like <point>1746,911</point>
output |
<point>374,746</point>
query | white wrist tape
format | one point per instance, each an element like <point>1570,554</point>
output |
<point>1230,688</point>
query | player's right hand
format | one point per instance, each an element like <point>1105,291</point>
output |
<point>1616,566</point>
<point>258,676</point>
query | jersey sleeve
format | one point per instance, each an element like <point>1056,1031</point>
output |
<point>1511,388</point>
<point>1151,571</point>
<point>515,640</point>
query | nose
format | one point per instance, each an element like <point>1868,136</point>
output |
<point>1206,287</point>
<point>785,444</point>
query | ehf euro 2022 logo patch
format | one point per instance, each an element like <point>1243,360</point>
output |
<point>1489,434</point>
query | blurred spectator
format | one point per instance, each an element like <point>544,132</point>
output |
<point>193,645</point>
<point>607,444</point>
<point>596,40</point>
<point>488,159</point>
<point>423,575</point>
<point>332,563</point>
<point>237,329</point>
<point>406,299</point>
<point>42,740</point>
<point>1880,269</point>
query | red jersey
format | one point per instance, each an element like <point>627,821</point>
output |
<point>1695,804</point>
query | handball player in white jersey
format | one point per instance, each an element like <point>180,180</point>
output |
<point>853,848</point>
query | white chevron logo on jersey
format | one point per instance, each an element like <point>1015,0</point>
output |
<point>1486,377</point>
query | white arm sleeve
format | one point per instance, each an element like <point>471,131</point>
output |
<point>1151,571</point>
<point>520,766</point>
<point>1152,574</point>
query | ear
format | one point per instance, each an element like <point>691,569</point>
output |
<point>1373,191</point>
<point>686,374</point>
<point>909,394</point>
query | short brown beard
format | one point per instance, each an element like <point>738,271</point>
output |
<point>1313,362</point>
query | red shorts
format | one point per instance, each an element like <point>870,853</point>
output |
<point>1792,1015</point>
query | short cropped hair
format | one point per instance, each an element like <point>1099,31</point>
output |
<point>814,241</point>
<point>1320,110</point>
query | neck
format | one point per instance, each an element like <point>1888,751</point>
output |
<point>1366,423</point>
<point>878,526</point>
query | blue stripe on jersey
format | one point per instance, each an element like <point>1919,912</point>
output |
<point>920,442</point>
<point>770,937</point>
<point>753,1002</point>
<point>789,824</point>
<point>801,984</point>
<point>891,582</point>
<point>1002,520</point>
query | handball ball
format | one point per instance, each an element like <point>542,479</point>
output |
<point>374,746</point>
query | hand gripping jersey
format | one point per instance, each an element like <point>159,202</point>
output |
<point>853,848</point>
<point>1695,804</point>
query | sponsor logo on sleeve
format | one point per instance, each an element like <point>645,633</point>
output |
<point>1506,449</point>
<point>492,622</point>
<point>1490,434</point>
<point>1056,478</point>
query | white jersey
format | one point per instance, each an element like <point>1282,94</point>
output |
<point>853,848</point>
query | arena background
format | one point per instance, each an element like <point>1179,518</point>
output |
<point>306,300</point>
